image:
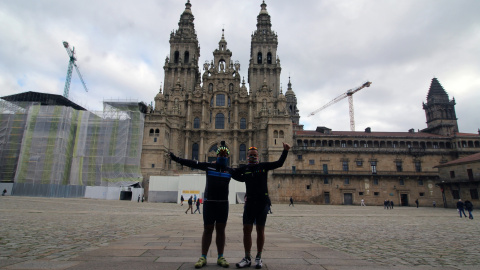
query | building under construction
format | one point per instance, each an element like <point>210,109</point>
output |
<point>50,146</point>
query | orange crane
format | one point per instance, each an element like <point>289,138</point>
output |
<point>348,94</point>
<point>71,64</point>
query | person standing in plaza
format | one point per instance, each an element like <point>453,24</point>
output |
<point>291,202</point>
<point>416,202</point>
<point>469,207</point>
<point>460,206</point>
<point>4,192</point>
<point>255,176</point>
<point>181,200</point>
<point>391,204</point>
<point>138,200</point>
<point>190,204</point>
<point>215,202</point>
<point>434,204</point>
<point>198,206</point>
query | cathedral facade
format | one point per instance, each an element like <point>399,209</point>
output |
<point>195,111</point>
<point>202,105</point>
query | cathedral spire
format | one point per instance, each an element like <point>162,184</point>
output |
<point>440,111</point>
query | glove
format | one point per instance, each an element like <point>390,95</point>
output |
<point>173,157</point>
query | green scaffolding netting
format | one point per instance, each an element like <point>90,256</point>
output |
<point>61,145</point>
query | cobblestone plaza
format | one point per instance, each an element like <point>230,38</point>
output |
<point>52,233</point>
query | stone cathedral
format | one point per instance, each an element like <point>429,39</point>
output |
<point>202,105</point>
<point>195,111</point>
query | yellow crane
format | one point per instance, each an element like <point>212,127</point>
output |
<point>348,94</point>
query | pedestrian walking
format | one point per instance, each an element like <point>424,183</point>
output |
<point>190,204</point>
<point>138,200</point>
<point>270,206</point>
<point>434,204</point>
<point>416,202</point>
<point>4,192</point>
<point>181,200</point>
<point>291,202</point>
<point>362,202</point>
<point>460,207</point>
<point>391,204</point>
<point>143,198</point>
<point>198,206</point>
<point>469,207</point>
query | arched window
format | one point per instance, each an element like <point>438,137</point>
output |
<point>259,58</point>
<point>281,134</point>
<point>196,122</point>
<point>269,58</point>
<point>243,152</point>
<point>275,134</point>
<point>157,132</point>
<point>195,151</point>
<point>220,100</point>
<point>243,123</point>
<point>151,132</point>
<point>186,58</point>
<point>210,87</point>
<point>219,121</point>
<point>176,57</point>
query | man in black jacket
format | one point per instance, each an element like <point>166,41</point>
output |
<point>460,206</point>
<point>215,203</point>
<point>256,207</point>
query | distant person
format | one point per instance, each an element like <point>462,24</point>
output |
<point>181,200</point>
<point>460,207</point>
<point>198,206</point>
<point>269,206</point>
<point>190,204</point>
<point>391,204</point>
<point>362,202</point>
<point>143,198</point>
<point>195,198</point>
<point>4,192</point>
<point>434,204</point>
<point>138,200</point>
<point>291,202</point>
<point>416,202</point>
<point>469,207</point>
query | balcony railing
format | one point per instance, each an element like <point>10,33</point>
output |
<point>337,173</point>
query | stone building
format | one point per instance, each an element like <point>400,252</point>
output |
<point>343,167</point>
<point>195,111</point>
<point>460,179</point>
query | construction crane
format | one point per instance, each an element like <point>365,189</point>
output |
<point>71,64</point>
<point>348,94</point>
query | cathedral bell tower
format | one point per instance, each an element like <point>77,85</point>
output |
<point>439,111</point>
<point>264,63</point>
<point>181,67</point>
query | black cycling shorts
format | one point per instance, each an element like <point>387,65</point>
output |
<point>215,212</point>
<point>255,212</point>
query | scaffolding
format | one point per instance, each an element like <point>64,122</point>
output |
<point>60,145</point>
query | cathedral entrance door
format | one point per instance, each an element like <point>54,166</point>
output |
<point>404,199</point>
<point>347,199</point>
<point>327,197</point>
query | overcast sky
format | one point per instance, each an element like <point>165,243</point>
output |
<point>326,46</point>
